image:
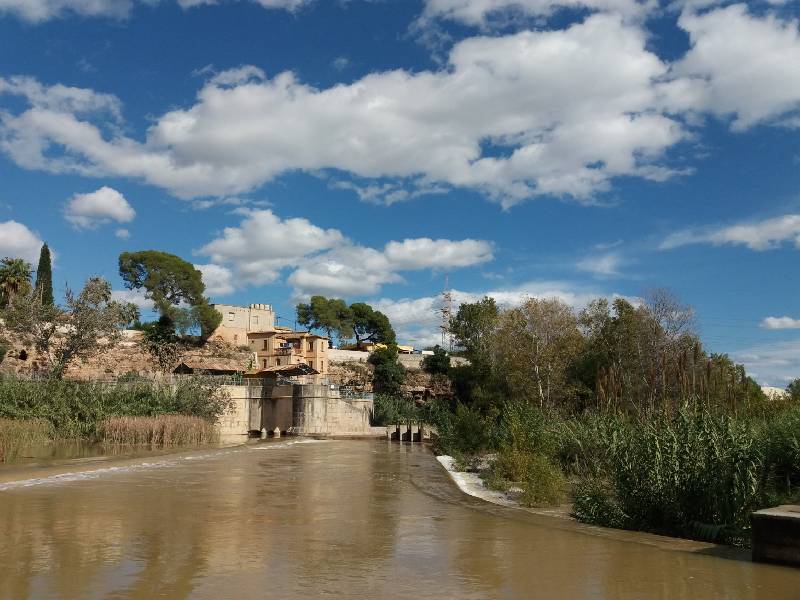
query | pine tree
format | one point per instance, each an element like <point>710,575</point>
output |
<point>44,278</point>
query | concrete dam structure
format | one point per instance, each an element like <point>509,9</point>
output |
<point>298,409</point>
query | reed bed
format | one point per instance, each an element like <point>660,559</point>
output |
<point>15,435</point>
<point>161,430</point>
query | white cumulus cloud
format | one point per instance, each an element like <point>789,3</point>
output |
<point>219,281</point>
<point>757,235</point>
<point>88,211</point>
<point>17,241</point>
<point>780,323</point>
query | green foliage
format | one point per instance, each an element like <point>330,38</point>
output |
<point>464,432</point>
<point>3,351</point>
<point>91,320</point>
<point>388,374</point>
<point>44,278</point>
<point>674,472</point>
<point>371,325</point>
<point>437,363</point>
<point>15,280</point>
<point>170,281</point>
<point>793,389</point>
<point>15,435</point>
<point>76,409</point>
<point>390,410</point>
<point>472,327</point>
<point>333,316</point>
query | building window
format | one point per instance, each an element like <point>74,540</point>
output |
<point>255,320</point>
<point>321,366</point>
<point>311,364</point>
<point>310,345</point>
<point>266,345</point>
<point>231,316</point>
<point>278,362</point>
<point>265,363</point>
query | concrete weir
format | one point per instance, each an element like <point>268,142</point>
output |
<point>776,535</point>
<point>297,409</point>
<point>408,432</point>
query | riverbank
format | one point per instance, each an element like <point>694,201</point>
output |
<point>472,484</point>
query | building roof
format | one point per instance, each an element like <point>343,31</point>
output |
<point>211,364</point>
<point>288,370</point>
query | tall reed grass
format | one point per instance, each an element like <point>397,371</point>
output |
<point>162,430</point>
<point>16,435</point>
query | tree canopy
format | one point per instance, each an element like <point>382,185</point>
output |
<point>15,279</point>
<point>44,277</point>
<point>334,316</point>
<point>170,281</point>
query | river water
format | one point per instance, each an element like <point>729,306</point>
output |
<point>340,519</point>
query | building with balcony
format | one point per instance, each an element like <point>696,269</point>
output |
<point>282,346</point>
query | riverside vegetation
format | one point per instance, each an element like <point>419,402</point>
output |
<point>617,409</point>
<point>129,411</point>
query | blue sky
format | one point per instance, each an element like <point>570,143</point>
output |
<point>367,149</point>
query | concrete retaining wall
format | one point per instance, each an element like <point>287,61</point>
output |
<point>312,409</point>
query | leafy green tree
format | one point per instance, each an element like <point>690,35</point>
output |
<point>90,322</point>
<point>370,325</point>
<point>472,327</point>
<point>388,374</point>
<point>437,363</point>
<point>331,315</point>
<point>15,280</point>
<point>44,277</point>
<point>793,389</point>
<point>170,281</point>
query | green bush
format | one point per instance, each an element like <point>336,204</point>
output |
<point>539,478</point>
<point>462,433</point>
<point>678,474</point>
<point>390,410</point>
<point>75,409</point>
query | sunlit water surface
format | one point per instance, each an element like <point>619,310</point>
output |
<point>342,519</point>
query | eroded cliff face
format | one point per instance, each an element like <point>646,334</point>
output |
<point>127,356</point>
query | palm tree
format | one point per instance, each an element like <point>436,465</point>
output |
<point>15,279</point>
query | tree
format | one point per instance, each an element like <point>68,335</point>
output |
<point>170,281</point>
<point>90,323</point>
<point>15,280</point>
<point>793,390</point>
<point>44,277</point>
<point>437,363</point>
<point>388,373</point>
<point>331,315</point>
<point>370,325</point>
<point>472,327</point>
<point>535,346</point>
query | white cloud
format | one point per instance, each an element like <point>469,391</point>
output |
<point>136,297</point>
<point>219,280</point>
<point>776,363</point>
<point>759,235</point>
<point>42,10</point>
<point>418,320</point>
<point>754,82</point>
<point>263,244</point>
<point>122,234</point>
<point>324,260</point>
<point>88,211</point>
<point>423,253</point>
<point>602,265</point>
<point>562,113</point>
<point>780,323</point>
<point>17,241</point>
<point>483,12</point>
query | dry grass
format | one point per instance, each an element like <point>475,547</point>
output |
<point>16,434</point>
<point>163,430</point>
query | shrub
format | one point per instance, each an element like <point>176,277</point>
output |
<point>678,474</point>
<point>541,480</point>
<point>464,432</point>
<point>389,410</point>
<point>163,430</point>
<point>15,435</point>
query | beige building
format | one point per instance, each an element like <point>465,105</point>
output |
<point>282,347</point>
<point>239,321</point>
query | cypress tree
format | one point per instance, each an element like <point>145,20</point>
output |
<point>44,278</point>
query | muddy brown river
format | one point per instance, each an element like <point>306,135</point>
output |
<point>337,519</point>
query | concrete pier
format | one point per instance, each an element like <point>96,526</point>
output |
<point>776,535</point>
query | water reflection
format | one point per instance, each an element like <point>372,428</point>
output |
<point>345,519</point>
